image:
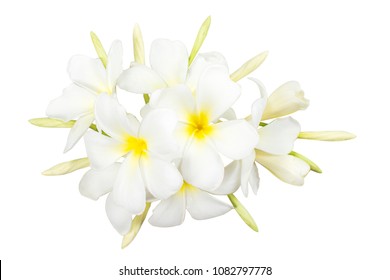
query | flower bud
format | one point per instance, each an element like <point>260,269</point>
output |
<point>286,99</point>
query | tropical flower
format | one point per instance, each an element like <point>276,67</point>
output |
<point>189,146</point>
<point>273,155</point>
<point>200,204</point>
<point>147,149</point>
<point>90,78</point>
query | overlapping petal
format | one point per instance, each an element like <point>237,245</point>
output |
<point>102,150</point>
<point>170,60</point>
<point>78,130</point>
<point>158,127</point>
<point>278,137</point>
<point>216,93</point>
<point>178,98</point>
<point>161,178</point>
<point>88,73</point>
<point>140,79</point>
<point>114,65</point>
<point>200,64</point>
<point>96,183</point>
<point>129,187</point>
<point>234,139</point>
<point>202,205</point>
<point>74,102</point>
<point>111,117</point>
<point>289,169</point>
<point>170,212</point>
<point>119,217</point>
<point>201,165</point>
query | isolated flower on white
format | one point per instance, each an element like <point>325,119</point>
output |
<point>202,137</point>
<point>147,149</point>
<point>200,204</point>
<point>285,100</point>
<point>90,78</point>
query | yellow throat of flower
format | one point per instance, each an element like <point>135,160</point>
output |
<point>136,146</point>
<point>199,125</point>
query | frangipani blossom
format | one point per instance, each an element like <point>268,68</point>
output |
<point>203,139</point>
<point>175,156</point>
<point>200,204</point>
<point>169,68</point>
<point>147,149</point>
<point>90,78</point>
<point>276,141</point>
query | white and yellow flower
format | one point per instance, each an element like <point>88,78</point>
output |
<point>90,78</point>
<point>199,98</point>
<point>147,149</point>
<point>200,204</point>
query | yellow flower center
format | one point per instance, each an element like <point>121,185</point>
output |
<point>136,146</point>
<point>199,125</point>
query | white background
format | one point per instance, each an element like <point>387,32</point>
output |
<point>335,227</point>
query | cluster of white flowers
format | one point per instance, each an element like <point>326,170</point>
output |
<point>188,147</point>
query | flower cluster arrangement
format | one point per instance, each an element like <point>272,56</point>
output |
<point>187,148</point>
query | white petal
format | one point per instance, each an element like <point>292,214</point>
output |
<point>216,93</point>
<point>289,169</point>
<point>200,64</point>
<point>114,64</point>
<point>96,183</point>
<point>140,79</point>
<point>231,179</point>
<point>170,60</point>
<point>129,188</point>
<point>234,139</point>
<point>278,137</point>
<point>88,73</point>
<point>170,212</point>
<point>202,166</point>
<point>254,179</point>
<point>119,217</point>
<point>246,169</point>
<point>178,99</point>
<point>161,178</point>
<point>229,115</point>
<point>112,118</point>
<point>286,99</point>
<point>78,130</point>
<point>259,105</point>
<point>102,150</point>
<point>157,129</point>
<point>74,102</point>
<point>202,205</point>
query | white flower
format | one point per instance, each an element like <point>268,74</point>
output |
<point>147,150</point>
<point>276,141</point>
<point>169,67</point>
<point>90,79</point>
<point>202,138</point>
<point>199,99</point>
<point>200,204</point>
<point>285,100</point>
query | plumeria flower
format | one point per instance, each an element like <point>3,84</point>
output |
<point>200,204</point>
<point>199,98</point>
<point>98,182</point>
<point>202,138</point>
<point>272,154</point>
<point>169,67</point>
<point>90,78</point>
<point>147,149</point>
